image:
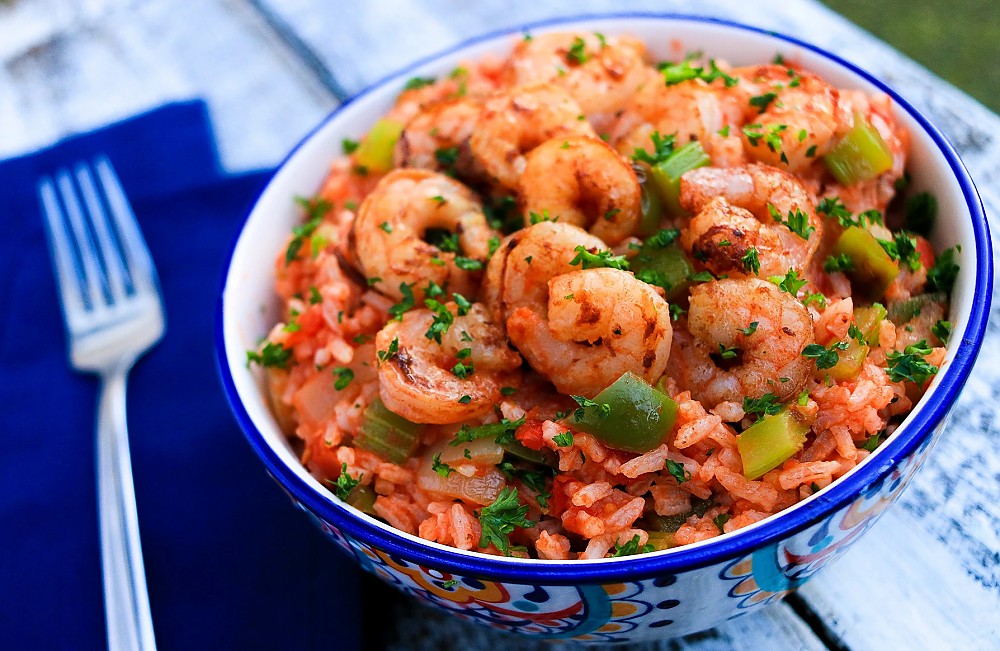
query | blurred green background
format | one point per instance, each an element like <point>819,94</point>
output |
<point>958,40</point>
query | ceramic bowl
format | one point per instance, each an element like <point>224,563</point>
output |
<point>634,598</point>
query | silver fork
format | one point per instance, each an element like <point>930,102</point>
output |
<point>111,303</point>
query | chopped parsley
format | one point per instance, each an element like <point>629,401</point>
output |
<point>599,259</point>
<point>443,318</point>
<point>503,432</point>
<point>499,519</point>
<point>386,226</point>
<point>314,296</point>
<point>727,353</point>
<point>346,483</point>
<point>797,221</point>
<point>790,282</point>
<point>675,73</point>
<point>315,209</point>
<point>663,146</point>
<point>603,409</point>
<point>921,211</point>
<point>751,261</point>
<point>272,355</point>
<point>563,440</point>
<point>771,135</point>
<point>677,471</point>
<point>761,102</point>
<point>393,349</point>
<point>750,329</point>
<point>631,548</point>
<point>835,263</point>
<point>349,146</point>
<point>872,442</point>
<point>507,391</point>
<point>413,83</point>
<point>941,277</point>
<point>766,405</point>
<point>675,311</point>
<point>538,218</point>
<point>855,333</point>
<point>447,157</point>
<point>344,377</point>
<point>825,357</point>
<point>464,400</point>
<point>578,52</point>
<point>910,364</point>
<point>463,369</point>
<point>408,302</point>
<point>701,277</point>
<point>720,521</point>
<point>442,469</point>
<point>942,330</point>
<point>468,264</point>
<point>902,247</point>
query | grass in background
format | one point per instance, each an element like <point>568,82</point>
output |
<point>958,40</point>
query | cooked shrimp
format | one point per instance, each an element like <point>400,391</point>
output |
<point>417,381</point>
<point>800,117</point>
<point>599,72</point>
<point>693,110</point>
<point>599,323</point>
<point>582,181</point>
<point>722,237</point>
<point>392,220</point>
<point>758,190</point>
<point>519,272</point>
<point>440,129</point>
<point>514,122</point>
<point>768,356</point>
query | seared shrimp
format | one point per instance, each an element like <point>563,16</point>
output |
<point>417,380</point>
<point>768,356</point>
<point>598,324</point>
<point>582,181</point>
<point>514,122</point>
<point>760,191</point>
<point>519,272</point>
<point>693,110</point>
<point>444,126</point>
<point>801,117</point>
<point>392,220</point>
<point>600,72</point>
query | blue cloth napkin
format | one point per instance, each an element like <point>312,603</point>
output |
<point>230,563</point>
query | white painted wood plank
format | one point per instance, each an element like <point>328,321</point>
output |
<point>66,70</point>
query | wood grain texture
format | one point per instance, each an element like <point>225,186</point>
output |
<point>928,576</point>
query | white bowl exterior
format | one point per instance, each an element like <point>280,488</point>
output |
<point>250,305</point>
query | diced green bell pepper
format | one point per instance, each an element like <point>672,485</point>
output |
<point>770,441</point>
<point>873,269</point>
<point>667,267</point>
<point>868,319</point>
<point>375,151</point>
<point>666,175</point>
<point>671,523</point>
<point>629,415</point>
<point>387,434</point>
<point>860,155</point>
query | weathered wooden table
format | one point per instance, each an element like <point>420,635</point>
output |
<point>926,577</point>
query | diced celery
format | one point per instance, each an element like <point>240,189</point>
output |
<point>901,312</point>
<point>665,267</point>
<point>661,540</point>
<point>651,203</point>
<point>860,155</point>
<point>849,362</point>
<point>629,415</point>
<point>873,269</point>
<point>375,151</point>
<point>868,319</point>
<point>770,441</point>
<point>386,434</point>
<point>666,175</point>
<point>362,498</point>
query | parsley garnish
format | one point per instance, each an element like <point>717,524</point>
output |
<point>599,259</point>
<point>386,355</point>
<point>663,238</point>
<point>701,277</point>
<point>910,365</point>
<point>578,52</point>
<point>464,400</point>
<point>835,263</point>
<point>677,471</point>
<point>346,483</point>
<point>349,146</point>
<point>442,469</point>
<point>563,440</point>
<point>761,102</point>
<point>344,377</point>
<point>871,443</point>
<point>942,330</point>
<point>825,357</point>
<point>675,311</point>
<point>536,218</point>
<point>797,221</point>
<point>727,353</point>
<point>316,209</point>
<point>790,282</point>
<point>631,548</point>
<point>855,333</point>
<point>751,261</point>
<point>771,135</point>
<point>408,302</point>
<point>443,318</point>
<point>272,355</point>
<point>766,405</point>
<point>503,431</point>
<point>663,146</point>
<point>446,157</point>
<point>941,277</point>
<point>507,391</point>
<point>750,329</point>
<point>902,248</point>
<point>603,409</point>
<point>468,264</point>
<point>314,296</point>
<point>414,83</point>
<point>720,521</point>
<point>463,369</point>
<point>499,519</point>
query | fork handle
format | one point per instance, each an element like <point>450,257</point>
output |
<point>126,601</point>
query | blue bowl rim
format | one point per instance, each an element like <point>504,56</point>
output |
<point>682,559</point>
